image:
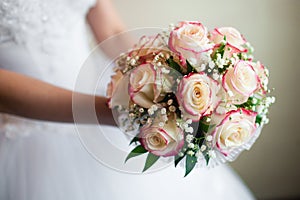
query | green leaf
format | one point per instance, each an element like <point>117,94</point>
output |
<point>206,156</point>
<point>139,150</point>
<point>151,159</point>
<point>134,140</point>
<point>258,119</point>
<point>190,68</point>
<point>206,126</point>
<point>190,164</point>
<point>174,64</point>
<point>177,159</point>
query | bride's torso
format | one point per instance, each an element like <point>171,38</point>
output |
<point>46,40</point>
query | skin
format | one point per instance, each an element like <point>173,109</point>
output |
<point>31,98</point>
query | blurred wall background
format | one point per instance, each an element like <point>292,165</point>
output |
<point>272,168</point>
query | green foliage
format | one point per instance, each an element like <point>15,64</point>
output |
<point>177,159</point>
<point>151,159</point>
<point>134,140</point>
<point>190,68</point>
<point>190,164</point>
<point>139,150</point>
<point>174,65</point>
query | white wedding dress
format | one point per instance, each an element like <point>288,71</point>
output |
<point>47,39</point>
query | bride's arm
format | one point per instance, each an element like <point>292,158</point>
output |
<point>105,22</point>
<point>24,96</point>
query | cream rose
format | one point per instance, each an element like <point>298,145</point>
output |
<point>197,95</point>
<point>148,85</point>
<point>234,38</point>
<point>235,130</point>
<point>190,40</point>
<point>113,83</point>
<point>240,82</point>
<point>262,74</point>
<point>166,140</point>
<point>117,90</point>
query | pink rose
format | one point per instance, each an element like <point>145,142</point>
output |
<point>190,40</point>
<point>235,130</point>
<point>240,82</point>
<point>234,39</point>
<point>166,140</point>
<point>197,95</point>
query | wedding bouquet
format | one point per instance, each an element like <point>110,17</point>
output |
<point>191,94</point>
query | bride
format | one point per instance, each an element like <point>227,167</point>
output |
<point>43,43</point>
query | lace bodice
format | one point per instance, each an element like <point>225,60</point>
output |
<point>21,20</point>
<point>46,39</point>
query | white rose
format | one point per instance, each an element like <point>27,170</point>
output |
<point>240,82</point>
<point>197,95</point>
<point>235,130</point>
<point>190,40</point>
<point>166,140</point>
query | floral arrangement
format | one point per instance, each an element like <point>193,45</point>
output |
<point>191,94</point>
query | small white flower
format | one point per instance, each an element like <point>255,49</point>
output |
<point>170,101</point>
<point>189,130</point>
<point>191,145</point>
<point>209,138</point>
<point>150,111</point>
<point>189,138</point>
<point>154,107</point>
<point>201,68</point>
<point>260,109</point>
<point>141,110</point>
<point>202,148</point>
<point>190,152</point>
<point>266,121</point>
<point>185,125</point>
<point>163,111</point>
<point>273,99</point>
<point>211,64</point>
<point>212,153</point>
<point>165,71</point>
<point>180,154</point>
<point>198,154</point>
<point>132,61</point>
<point>189,121</point>
<point>215,76</point>
<point>254,101</point>
<point>165,118</point>
<point>267,72</point>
